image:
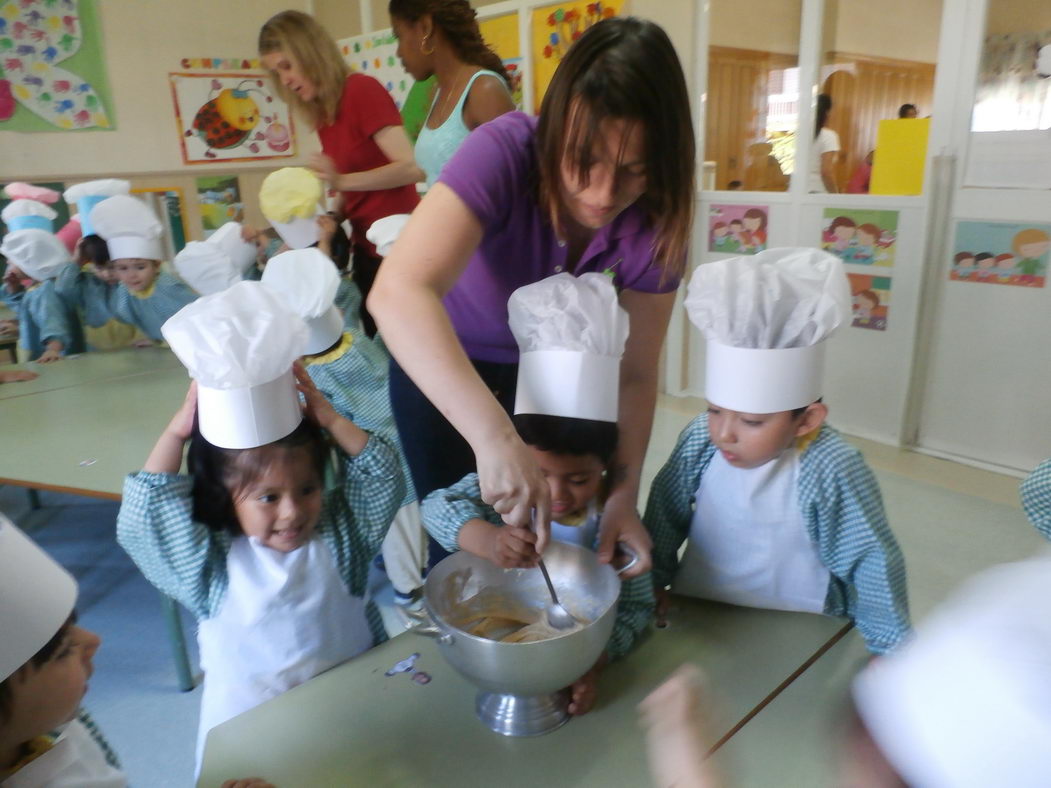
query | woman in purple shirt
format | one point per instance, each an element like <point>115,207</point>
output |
<point>602,181</point>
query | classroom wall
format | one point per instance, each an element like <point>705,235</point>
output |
<point>144,41</point>
<point>1017,16</point>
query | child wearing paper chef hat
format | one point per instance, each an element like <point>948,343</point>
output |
<point>46,332</point>
<point>779,512</point>
<point>147,296</point>
<point>272,563</point>
<point>350,370</point>
<point>571,332</point>
<point>45,663</point>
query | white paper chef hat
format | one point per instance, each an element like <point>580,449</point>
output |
<point>306,281</point>
<point>289,200</point>
<point>766,318</point>
<point>129,228</point>
<point>239,346</point>
<point>571,333</point>
<point>384,232</point>
<point>206,267</point>
<point>40,255</point>
<point>36,598</point>
<point>241,252</point>
<point>1043,61</point>
<point>967,703</point>
<point>89,194</point>
<point>26,214</point>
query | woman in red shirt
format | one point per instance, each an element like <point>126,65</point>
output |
<point>366,155</point>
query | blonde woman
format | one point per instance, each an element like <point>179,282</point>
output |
<point>366,155</point>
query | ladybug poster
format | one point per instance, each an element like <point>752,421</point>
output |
<point>230,117</point>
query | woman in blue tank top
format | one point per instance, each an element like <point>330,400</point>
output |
<point>441,38</point>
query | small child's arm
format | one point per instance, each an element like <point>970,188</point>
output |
<point>856,544</point>
<point>1036,498</point>
<point>48,312</point>
<point>155,525</point>
<point>669,508</point>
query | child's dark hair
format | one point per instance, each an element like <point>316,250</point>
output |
<point>562,435</point>
<point>41,657</point>
<point>93,250</point>
<point>797,412</point>
<point>219,475</point>
<point>340,245</point>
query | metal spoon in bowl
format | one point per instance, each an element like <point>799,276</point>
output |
<point>557,616</point>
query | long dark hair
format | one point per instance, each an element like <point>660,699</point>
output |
<point>219,475</point>
<point>624,68</point>
<point>459,25</point>
<point>824,106</point>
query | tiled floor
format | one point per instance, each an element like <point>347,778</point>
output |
<point>950,519</point>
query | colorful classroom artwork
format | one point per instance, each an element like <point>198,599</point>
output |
<point>871,300</point>
<point>219,198</point>
<point>36,93</point>
<point>376,54</point>
<point>555,28</point>
<point>737,229</point>
<point>501,33</point>
<point>230,117</point>
<point>860,237</point>
<point>220,63</point>
<point>60,207</point>
<point>1001,253</point>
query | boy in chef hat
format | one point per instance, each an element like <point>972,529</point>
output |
<point>273,565</point>
<point>30,207</point>
<point>351,372</point>
<point>571,333</point>
<point>1036,498</point>
<point>45,662</point>
<point>147,296</point>
<point>46,332</point>
<point>778,510</point>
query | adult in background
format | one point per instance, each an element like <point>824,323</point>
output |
<point>602,181</point>
<point>366,155</point>
<point>824,150</point>
<point>441,38</point>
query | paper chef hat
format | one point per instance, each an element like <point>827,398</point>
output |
<point>29,207</point>
<point>239,346</point>
<point>206,268</point>
<point>40,255</point>
<point>228,238</point>
<point>289,200</point>
<point>965,704</point>
<point>37,598</point>
<point>766,318</point>
<point>129,228</point>
<point>384,232</point>
<point>307,281</point>
<point>89,194</point>
<point>571,333</point>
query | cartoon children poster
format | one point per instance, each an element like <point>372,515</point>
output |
<point>738,229</point>
<point>1001,253</point>
<point>860,237</point>
<point>871,300</point>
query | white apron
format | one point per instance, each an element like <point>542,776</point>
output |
<point>584,534</point>
<point>286,617</point>
<point>75,761</point>
<point>748,541</point>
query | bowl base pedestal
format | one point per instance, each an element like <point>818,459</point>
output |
<point>523,715</point>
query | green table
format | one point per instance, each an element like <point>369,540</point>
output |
<point>86,423</point>
<point>356,726</point>
<point>91,367</point>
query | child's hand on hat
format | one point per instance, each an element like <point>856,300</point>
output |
<point>181,425</point>
<point>326,227</point>
<point>317,408</point>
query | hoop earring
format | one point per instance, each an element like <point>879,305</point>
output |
<point>423,42</point>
